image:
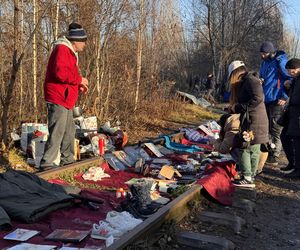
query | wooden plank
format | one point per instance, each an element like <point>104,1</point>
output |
<point>54,173</point>
<point>176,210</point>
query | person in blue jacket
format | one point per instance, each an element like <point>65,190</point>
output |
<point>274,75</point>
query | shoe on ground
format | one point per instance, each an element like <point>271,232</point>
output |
<point>259,172</point>
<point>293,175</point>
<point>272,160</point>
<point>288,169</point>
<point>46,166</point>
<point>243,183</point>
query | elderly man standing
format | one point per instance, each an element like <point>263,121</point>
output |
<point>273,75</point>
<point>61,89</point>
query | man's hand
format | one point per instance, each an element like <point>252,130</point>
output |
<point>281,102</point>
<point>83,86</point>
<point>287,84</point>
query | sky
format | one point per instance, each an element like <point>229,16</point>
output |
<point>291,13</point>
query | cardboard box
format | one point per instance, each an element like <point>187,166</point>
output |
<point>90,123</point>
<point>168,172</point>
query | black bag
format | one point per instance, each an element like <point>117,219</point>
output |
<point>284,118</point>
<point>238,140</point>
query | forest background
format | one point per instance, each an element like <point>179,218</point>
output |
<point>138,51</point>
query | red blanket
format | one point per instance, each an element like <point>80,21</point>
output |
<point>78,217</point>
<point>116,180</point>
<point>217,181</point>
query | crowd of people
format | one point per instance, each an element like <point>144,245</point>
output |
<point>265,110</point>
<point>257,102</point>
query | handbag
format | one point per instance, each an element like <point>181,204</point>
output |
<point>239,140</point>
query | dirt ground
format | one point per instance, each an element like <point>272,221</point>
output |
<point>274,222</point>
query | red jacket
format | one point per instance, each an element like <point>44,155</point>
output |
<point>62,77</point>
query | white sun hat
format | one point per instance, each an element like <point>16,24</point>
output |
<point>234,65</point>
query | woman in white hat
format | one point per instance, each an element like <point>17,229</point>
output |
<point>247,96</point>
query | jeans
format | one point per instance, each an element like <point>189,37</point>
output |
<point>248,160</point>
<point>274,111</point>
<point>61,135</point>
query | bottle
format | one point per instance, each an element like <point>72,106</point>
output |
<point>120,193</point>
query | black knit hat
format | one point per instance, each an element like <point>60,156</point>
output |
<point>293,63</point>
<point>76,33</point>
<point>267,47</point>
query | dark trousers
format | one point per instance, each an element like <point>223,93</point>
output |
<point>291,147</point>
<point>274,111</point>
<point>61,135</point>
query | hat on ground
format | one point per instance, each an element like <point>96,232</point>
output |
<point>76,33</point>
<point>267,47</point>
<point>293,63</point>
<point>234,65</point>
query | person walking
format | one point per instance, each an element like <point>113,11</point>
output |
<point>62,85</point>
<point>273,75</point>
<point>210,85</point>
<point>247,96</point>
<point>290,135</point>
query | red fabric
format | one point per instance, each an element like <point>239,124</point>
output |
<point>200,145</point>
<point>217,182</point>
<point>62,77</point>
<point>78,217</point>
<point>117,179</point>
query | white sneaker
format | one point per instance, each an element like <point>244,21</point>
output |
<point>103,231</point>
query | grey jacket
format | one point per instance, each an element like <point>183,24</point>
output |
<point>26,197</point>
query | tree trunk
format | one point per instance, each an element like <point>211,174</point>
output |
<point>139,53</point>
<point>34,66</point>
<point>56,20</point>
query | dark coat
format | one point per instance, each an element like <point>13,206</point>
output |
<point>250,94</point>
<point>210,83</point>
<point>293,125</point>
<point>26,197</point>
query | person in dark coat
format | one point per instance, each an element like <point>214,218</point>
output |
<point>290,135</point>
<point>247,94</point>
<point>210,85</point>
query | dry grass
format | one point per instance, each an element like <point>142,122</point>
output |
<point>165,117</point>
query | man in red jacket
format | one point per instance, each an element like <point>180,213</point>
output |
<point>61,88</point>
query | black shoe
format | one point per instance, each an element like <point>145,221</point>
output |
<point>288,169</point>
<point>272,160</point>
<point>293,175</point>
<point>243,183</point>
<point>46,166</point>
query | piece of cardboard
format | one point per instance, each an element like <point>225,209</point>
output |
<point>153,149</point>
<point>206,130</point>
<point>21,234</point>
<point>168,172</point>
<point>67,235</point>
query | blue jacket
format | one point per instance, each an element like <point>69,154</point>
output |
<point>270,71</point>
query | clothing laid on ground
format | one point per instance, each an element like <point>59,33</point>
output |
<point>26,197</point>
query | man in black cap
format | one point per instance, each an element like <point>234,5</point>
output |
<point>273,75</point>
<point>62,85</point>
<point>290,136</point>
